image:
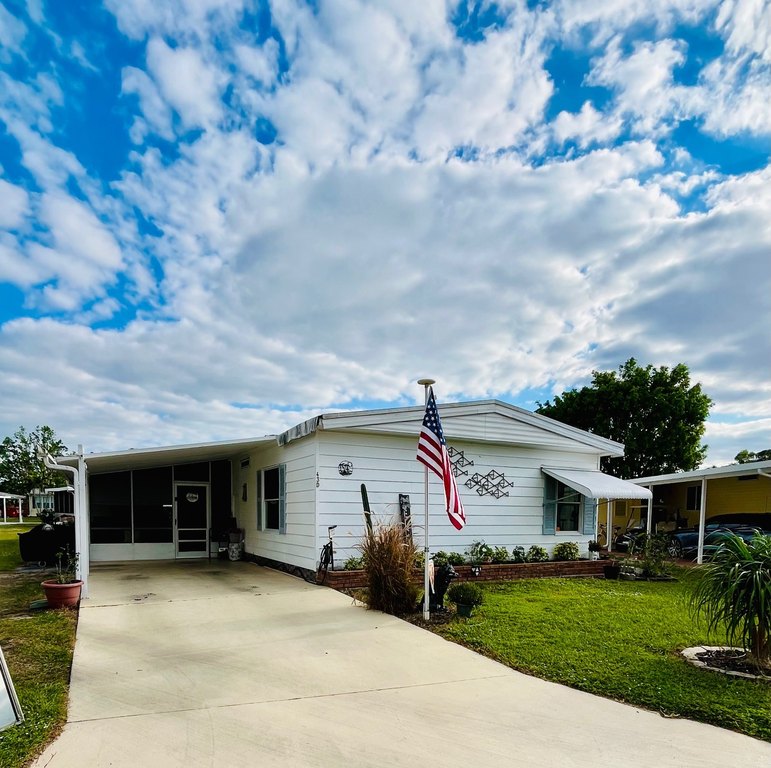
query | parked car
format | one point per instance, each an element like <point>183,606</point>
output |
<point>686,540</point>
<point>713,540</point>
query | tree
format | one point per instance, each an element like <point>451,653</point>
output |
<point>747,457</point>
<point>21,469</point>
<point>654,412</point>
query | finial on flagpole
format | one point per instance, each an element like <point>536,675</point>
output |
<point>426,382</point>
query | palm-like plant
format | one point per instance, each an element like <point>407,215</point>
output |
<point>734,590</point>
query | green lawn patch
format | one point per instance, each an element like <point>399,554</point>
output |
<point>618,639</point>
<point>38,648</point>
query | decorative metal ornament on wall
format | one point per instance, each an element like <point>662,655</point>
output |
<point>491,484</point>
<point>345,468</point>
<point>458,461</point>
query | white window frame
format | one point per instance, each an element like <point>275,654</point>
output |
<point>261,501</point>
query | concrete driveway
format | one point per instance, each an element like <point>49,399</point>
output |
<point>226,664</point>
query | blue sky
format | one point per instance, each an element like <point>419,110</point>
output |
<point>222,217</point>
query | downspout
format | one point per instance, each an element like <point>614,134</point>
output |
<point>649,523</point>
<point>81,527</point>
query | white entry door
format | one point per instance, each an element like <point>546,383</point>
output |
<point>191,519</point>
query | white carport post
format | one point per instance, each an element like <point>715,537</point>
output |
<point>649,523</point>
<point>702,518</point>
<point>5,519</point>
<point>81,513</point>
<point>609,524</point>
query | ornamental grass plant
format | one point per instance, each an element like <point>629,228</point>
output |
<point>389,558</point>
<point>733,591</point>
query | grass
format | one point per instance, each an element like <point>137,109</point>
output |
<point>38,648</point>
<point>620,640</point>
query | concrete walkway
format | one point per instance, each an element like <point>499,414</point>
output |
<point>227,664</point>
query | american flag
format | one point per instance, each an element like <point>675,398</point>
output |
<point>432,451</point>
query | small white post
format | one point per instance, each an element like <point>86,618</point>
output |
<point>425,383</point>
<point>702,517</point>
<point>609,525</point>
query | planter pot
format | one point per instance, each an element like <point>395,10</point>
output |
<point>62,595</point>
<point>611,571</point>
<point>464,610</point>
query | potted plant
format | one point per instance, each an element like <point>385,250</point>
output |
<point>611,569</point>
<point>466,596</point>
<point>594,549</point>
<point>63,591</point>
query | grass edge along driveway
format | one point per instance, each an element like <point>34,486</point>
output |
<point>38,649</point>
<point>618,639</point>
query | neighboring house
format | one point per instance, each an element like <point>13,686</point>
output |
<point>524,479</point>
<point>732,489</point>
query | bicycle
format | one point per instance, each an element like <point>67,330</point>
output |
<point>327,556</point>
<point>602,534</point>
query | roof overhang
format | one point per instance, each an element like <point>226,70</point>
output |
<point>597,485</point>
<point>144,458</point>
<point>762,468</point>
<point>4,495</point>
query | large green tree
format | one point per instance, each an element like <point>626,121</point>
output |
<point>747,457</point>
<point>655,412</point>
<point>21,468</point>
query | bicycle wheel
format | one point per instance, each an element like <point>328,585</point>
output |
<point>325,560</point>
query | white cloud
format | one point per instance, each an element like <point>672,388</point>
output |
<point>15,205</point>
<point>188,83</point>
<point>587,126</point>
<point>12,34</point>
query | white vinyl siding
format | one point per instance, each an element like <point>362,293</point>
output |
<point>386,464</point>
<point>294,542</point>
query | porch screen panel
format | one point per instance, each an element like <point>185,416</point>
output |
<point>110,504</point>
<point>153,512</point>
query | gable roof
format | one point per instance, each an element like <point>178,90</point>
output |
<point>490,421</point>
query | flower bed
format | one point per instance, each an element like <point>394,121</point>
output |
<point>487,572</point>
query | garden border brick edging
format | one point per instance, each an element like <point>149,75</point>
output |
<point>489,572</point>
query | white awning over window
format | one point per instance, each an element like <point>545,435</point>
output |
<point>596,485</point>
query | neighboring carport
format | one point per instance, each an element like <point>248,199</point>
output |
<point>203,663</point>
<point>751,491</point>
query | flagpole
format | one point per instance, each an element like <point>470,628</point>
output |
<point>425,383</point>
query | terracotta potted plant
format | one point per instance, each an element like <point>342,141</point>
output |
<point>63,591</point>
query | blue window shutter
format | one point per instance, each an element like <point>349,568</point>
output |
<point>282,498</point>
<point>590,516</point>
<point>549,506</point>
<point>258,499</point>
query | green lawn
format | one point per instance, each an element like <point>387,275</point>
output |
<point>38,649</point>
<point>616,639</point>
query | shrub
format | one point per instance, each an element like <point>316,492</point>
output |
<point>354,564</point>
<point>567,550</point>
<point>420,559</point>
<point>389,559</point>
<point>500,555</point>
<point>466,593</point>
<point>479,552</point>
<point>518,555</point>
<point>653,554</point>
<point>733,591</point>
<point>455,558</point>
<point>536,554</point>
<point>440,558</point>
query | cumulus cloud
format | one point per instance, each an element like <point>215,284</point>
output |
<point>358,196</point>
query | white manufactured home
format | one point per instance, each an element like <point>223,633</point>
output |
<point>524,479</point>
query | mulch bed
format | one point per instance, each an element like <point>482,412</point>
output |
<point>732,660</point>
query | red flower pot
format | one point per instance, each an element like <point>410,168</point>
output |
<point>62,595</point>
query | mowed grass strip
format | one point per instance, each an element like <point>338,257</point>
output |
<point>38,648</point>
<point>615,639</point>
